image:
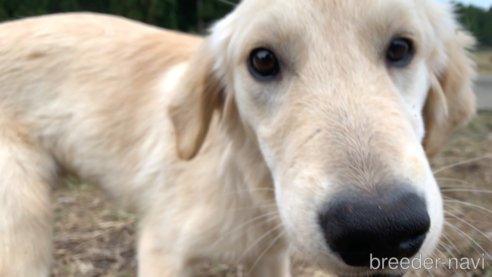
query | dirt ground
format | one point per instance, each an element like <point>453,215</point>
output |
<point>94,238</point>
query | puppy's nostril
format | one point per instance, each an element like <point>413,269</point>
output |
<point>411,245</point>
<point>354,250</point>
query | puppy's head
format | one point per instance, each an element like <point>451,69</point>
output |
<point>346,101</point>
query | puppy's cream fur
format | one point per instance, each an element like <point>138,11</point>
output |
<point>218,165</point>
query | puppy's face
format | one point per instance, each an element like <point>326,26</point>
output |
<point>341,96</point>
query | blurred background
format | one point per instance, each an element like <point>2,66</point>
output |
<point>196,15</point>
<point>97,239</point>
<point>184,15</point>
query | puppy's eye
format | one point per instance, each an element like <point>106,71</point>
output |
<point>263,64</point>
<point>400,52</point>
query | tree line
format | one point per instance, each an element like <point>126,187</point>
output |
<point>193,15</point>
<point>185,15</point>
<point>477,20</point>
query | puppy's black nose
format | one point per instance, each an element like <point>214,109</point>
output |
<point>391,224</point>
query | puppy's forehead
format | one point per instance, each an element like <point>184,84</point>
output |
<point>333,18</point>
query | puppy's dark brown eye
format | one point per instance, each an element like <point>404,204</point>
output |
<point>400,52</point>
<point>263,64</point>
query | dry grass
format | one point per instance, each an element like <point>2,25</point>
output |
<point>483,58</point>
<point>93,238</point>
<point>467,192</point>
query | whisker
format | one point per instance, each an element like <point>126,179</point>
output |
<point>256,207</point>
<point>444,188</point>
<point>463,235</point>
<point>434,257</point>
<point>476,207</point>
<point>258,223</point>
<point>443,245</point>
<point>467,190</point>
<point>450,240</point>
<point>453,180</point>
<point>250,190</point>
<point>472,226</point>
<point>471,221</point>
<point>247,190</point>
<point>242,225</point>
<point>459,231</point>
<point>462,162</point>
<point>441,267</point>
<point>257,241</point>
<point>430,272</point>
<point>265,251</point>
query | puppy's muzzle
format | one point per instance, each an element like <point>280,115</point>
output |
<point>389,224</point>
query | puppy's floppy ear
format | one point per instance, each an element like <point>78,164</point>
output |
<point>451,101</point>
<point>198,95</point>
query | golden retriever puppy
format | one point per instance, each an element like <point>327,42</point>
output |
<point>294,127</point>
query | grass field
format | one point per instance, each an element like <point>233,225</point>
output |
<point>94,238</point>
<point>483,58</point>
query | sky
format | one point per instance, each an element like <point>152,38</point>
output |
<point>481,3</point>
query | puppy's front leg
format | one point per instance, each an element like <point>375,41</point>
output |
<point>25,208</point>
<point>157,260</point>
<point>271,266</point>
<point>156,264</point>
